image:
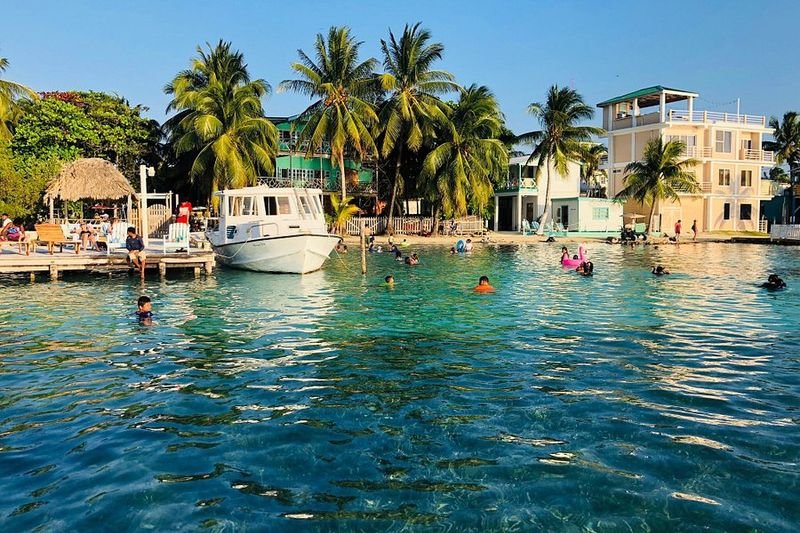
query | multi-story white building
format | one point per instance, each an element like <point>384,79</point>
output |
<point>727,146</point>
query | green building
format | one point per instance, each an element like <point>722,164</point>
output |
<point>292,162</point>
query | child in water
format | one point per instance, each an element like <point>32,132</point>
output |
<point>660,271</point>
<point>389,280</point>
<point>483,285</point>
<point>145,310</point>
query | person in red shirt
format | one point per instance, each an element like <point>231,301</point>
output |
<point>677,230</point>
<point>184,211</point>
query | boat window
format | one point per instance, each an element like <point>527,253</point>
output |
<point>248,206</point>
<point>270,206</point>
<point>235,206</point>
<point>283,205</point>
<point>304,205</point>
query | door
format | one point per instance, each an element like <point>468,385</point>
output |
<point>529,213</point>
<point>565,216</point>
<point>505,208</point>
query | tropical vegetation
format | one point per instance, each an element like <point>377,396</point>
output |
<point>344,91</point>
<point>662,174</point>
<point>342,211</point>
<point>561,139</point>
<point>786,142</point>
<point>468,158</point>
<point>220,120</point>
<point>591,157</point>
<point>412,108</point>
<point>11,96</point>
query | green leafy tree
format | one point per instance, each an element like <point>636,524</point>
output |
<point>220,120</point>
<point>23,181</point>
<point>469,158</point>
<point>786,142</point>
<point>560,138</point>
<point>343,89</point>
<point>343,211</point>
<point>68,125</point>
<point>11,94</point>
<point>412,106</point>
<point>779,175</point>
<point>661,175</point>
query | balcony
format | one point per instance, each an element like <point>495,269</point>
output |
<point>761,156</point>
<point>515,184</point>
<point>712,117</point>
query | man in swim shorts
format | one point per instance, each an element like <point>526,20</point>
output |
<point>135,246</point>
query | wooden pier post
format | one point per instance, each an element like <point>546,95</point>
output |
<point>363,247</point>
<point>53,272</point>
<point>162,269</point>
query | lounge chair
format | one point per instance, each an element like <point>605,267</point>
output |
<point>116,239</point>
<point>177,238</point>
<point>529,228</point>
<point>52,235</point>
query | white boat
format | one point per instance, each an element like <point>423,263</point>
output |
<point>272,227</point>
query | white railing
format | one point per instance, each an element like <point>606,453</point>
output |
<point>785,232</point>
<point>303,182</point>
<point>697,151</point>
<point>402,225</point>
<point>677,115</point>
<point>762,225</point>
<point>757,155</point>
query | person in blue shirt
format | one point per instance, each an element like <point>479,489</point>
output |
<point>135,246</point>
<point>145,310</point>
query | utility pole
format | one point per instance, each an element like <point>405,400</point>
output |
<point>144,172</point>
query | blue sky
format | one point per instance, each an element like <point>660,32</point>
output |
<point>722,49</point>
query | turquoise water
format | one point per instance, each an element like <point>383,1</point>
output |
<point>260,402</point>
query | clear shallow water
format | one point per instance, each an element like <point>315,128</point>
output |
<point>260,402</point>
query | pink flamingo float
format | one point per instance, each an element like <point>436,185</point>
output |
<point>575,262</point>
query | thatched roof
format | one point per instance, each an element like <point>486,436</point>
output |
<point>89,179</point>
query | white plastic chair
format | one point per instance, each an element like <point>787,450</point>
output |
<point>177,238</point>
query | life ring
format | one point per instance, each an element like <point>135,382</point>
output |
<point>575,262</point>
<point>460,246</point>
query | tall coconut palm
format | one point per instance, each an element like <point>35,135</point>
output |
<point>10,95</point>
<point>786,143</point>
<point>560,138</point>
<point>221,120</point>
<point>469,157</point>
<point>661,175</point>
<point>591,156</point>
<point>344,89</point>
<point>412,105</point>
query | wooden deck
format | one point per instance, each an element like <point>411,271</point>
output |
<point>11,261</point>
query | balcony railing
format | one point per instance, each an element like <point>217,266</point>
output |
<point>697,152</point>
<point>677,115</point>
<point>513,184</point>
<point>304,182</point>
<point>757,155</point>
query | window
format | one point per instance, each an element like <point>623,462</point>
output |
<point>725,177</point>
<point>726,212</point>
<point>248,206</point>
<point>747,144</point>
<point>688,140</point>
<point>283,205</point>
<point>745,211</point>
<point>304,205</point>
<point>599,213</point>
<point>724,140</point>
<point>747,178</point>
<point>270,206</point>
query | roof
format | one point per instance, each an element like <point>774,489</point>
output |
<point>90,178</point>
<point>643,94</point>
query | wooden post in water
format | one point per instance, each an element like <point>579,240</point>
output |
<point>363,247</point>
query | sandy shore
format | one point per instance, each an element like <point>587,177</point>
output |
<point>516,238</point>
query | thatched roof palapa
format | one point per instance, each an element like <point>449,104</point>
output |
<point>92,179</point>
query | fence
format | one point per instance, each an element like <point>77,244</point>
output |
<point>789,232</point>
<point>417,225</point>
<point>158,219</point>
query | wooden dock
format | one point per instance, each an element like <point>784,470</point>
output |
<point>199,260</point>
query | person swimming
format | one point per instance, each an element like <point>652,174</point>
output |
<point>659,271</point>
<point>586,268</point>
<point>774,282</point>
<point>389,280</point>
<point>564,253</point>
<point>483,285</point>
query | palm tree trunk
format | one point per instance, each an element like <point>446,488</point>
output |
<point>342,176</point>
<point>435,228</point>
<point>650,218</point>
<point>390,223</point>
<point>546,210</point>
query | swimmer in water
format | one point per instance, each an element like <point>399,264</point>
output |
<point>483,285</point>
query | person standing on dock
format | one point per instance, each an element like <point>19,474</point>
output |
<point>135,246</point>
<point>677,231</point>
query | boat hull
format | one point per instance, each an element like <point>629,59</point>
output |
<point>289,254</point>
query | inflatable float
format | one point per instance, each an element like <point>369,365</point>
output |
<point>575,262</point>
<point>461,246</point>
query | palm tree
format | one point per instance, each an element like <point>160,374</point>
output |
<point>342,212</point>
<point>560,138</point>
<point>787,142</point>
<point>10,95</point>
<point>591,156</point>
<point>412,105</point>
<point>660,175</point>
<point>343,87</point>
<point>220,120</point>
<point>469,157</point>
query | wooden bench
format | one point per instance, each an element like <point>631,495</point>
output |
<point>52,234</point>
<point>26,244</point>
